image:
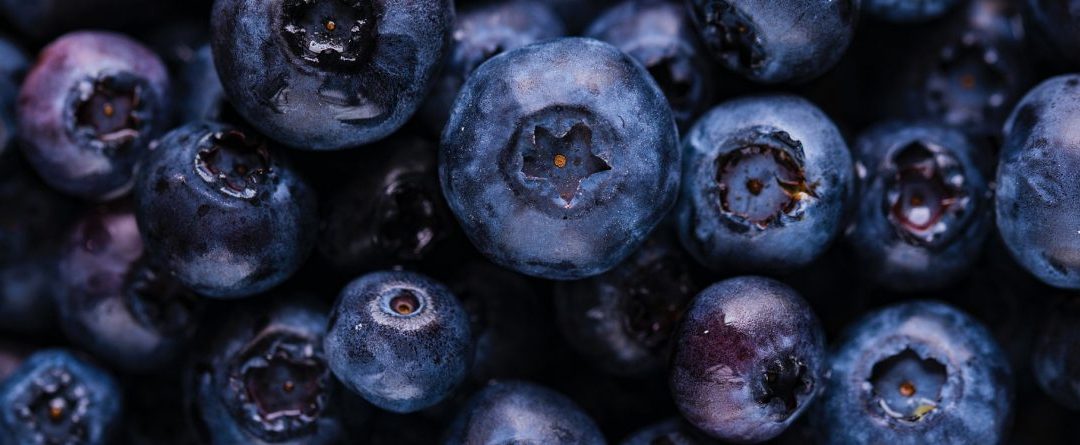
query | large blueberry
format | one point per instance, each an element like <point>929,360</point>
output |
<point>560,158</point>
<point>659,34</point>
<point>908,11</point>
<point>89,108</point>
<point>116,304</point>
<point>913,373</point>
<point>480,33</point>
<point>766,184</point>
<point>264,379</point>
<point>329,74</point>
<point>776,41</point>
<point>1057,354</point>
<point>221,209</point>
<point>924,209</point>
<point>749,358</point>
<point>57,398</point>
<point>518,412</point>
<point>399,339</point>
<point>1036,206</point>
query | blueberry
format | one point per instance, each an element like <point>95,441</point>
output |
<point>116,304</point>
<point>88,109</point>
<point>749,358</point>
<point>518,412</point>
<point>659,34</point>
<point>1057,354</point>
<point>622,320</point>
<point>391,212</point>
<point>1057,23</point>
<point>925,207</point>
<point>766,184</point>
<point>559,158</point>
<point>329,74</point>
<point>479,34</point>
<point>917,372</point>
<point>779,41</point>
<point>200,96</point>
<point>221,209</point>
<point>264,377</point>
<point>668,432</point>
<point>1035,212</point>
<point>57,398</point>
<point>399,339</point>
<point>906,11</point>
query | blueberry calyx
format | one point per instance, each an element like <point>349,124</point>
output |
<point>235,160</point>
<point>108,111</point>
<point>761,181</point>
<point>926,200</point>
<point>906,386</point>
<point>157,300</point>
<point>969,82</point>
<point>402,302</point>
<point>783,379</point>
<point>330,34</point>
<point>278,386</point>
<point>54,408</point>
<point>731,36</point>
<point>409,223</point>
<point>563,159</point>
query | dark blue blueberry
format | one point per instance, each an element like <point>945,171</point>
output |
<point>115,304</point>
<point>669,432</point>
<point>391,212</point>
<point>399,339</point>
<point>777,41</point>
<point>925,207</point>
<point>329,74</point>
<point>659,34</point>
<point>1057,354</point>
<point>908,11</point>
<point>560,158</point>
<point>57,398</point>
<point>1040,156</point>
<point>264,378</point>
<point>88,109</point>
<point>518,412</point>
<point>221,209</point>
<point>200,96</point>
<point>749,358</point>
<point>480,33</point>
<point>766,184</point>
<point>622,320</point>
<point>1057,23</point>
<point>914,373</point>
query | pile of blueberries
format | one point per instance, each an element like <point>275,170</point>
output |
<point>502,222</point>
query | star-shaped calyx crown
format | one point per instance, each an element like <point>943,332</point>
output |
<point>564,160</point>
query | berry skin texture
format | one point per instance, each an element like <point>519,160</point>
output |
<point>399,339</point>
<point>780,41</point>
<point>767,181</point>
<point>907,11</point>
<point>513,411</point>
<point>1056,360</point>
<point>56,397</point>
<point>924,207</point>
<point>559,158</point>
<point>88,109</point>
<point>1036,215</point>
<point>327,74</point>
<point>749,358</point>
<point>263,378</point>
<point>221,210</point>
<point>914,373</point>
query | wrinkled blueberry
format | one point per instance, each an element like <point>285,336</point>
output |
<point>766,184</point>
<point>399,339</point>
<point>264,377</point>
<point>117,305</point>
<point>560,158</point>
<point>749,358</point>
<point>659,34</point>
<point>908,11</point>
<point>88,109</point>
<point>622,320</point>
<point>913,373</point>
<point>778,41</point>
<point>329,74</point>
<point>1057,354</point>
<point>57,398</point>
<point>1036,212</point>
<point>519,412</point>
<point>924,209</point>
<point>221,209</point>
